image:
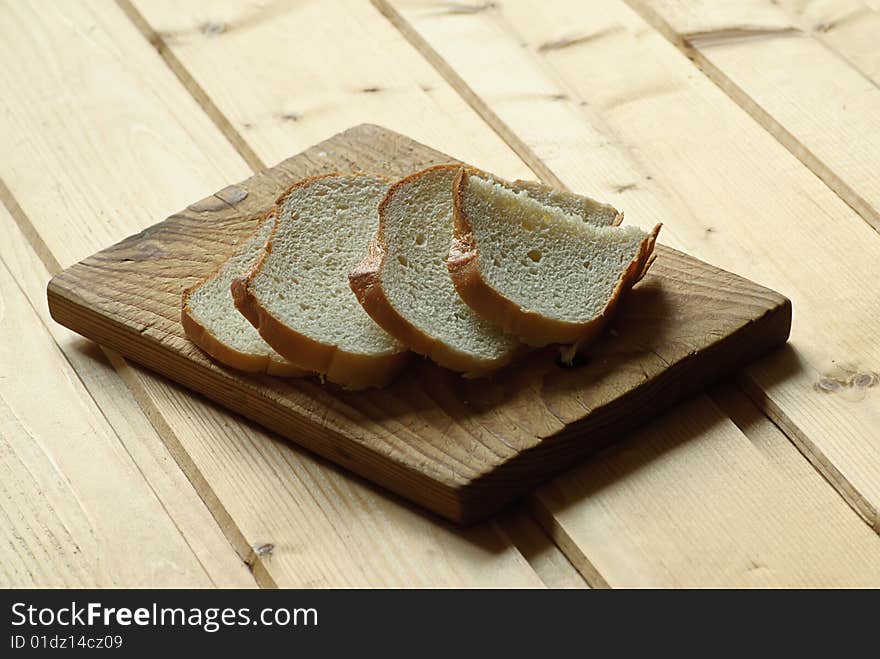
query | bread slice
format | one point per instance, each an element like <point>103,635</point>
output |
<point>297,294</point>
<point>211,321</point>
<point>589,210</point>
<point>404,284</point>
<point>537,271</point>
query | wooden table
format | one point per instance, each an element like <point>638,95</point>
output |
<point>750,129</point>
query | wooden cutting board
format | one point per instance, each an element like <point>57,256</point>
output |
<point>461,448</point>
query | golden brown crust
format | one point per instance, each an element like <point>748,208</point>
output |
<point>223,353</point>
<point>532,327</point>
<point>366,282</point>
<point>228,356</point>
<point>350,370</point>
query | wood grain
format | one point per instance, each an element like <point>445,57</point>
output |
<point>130,426</point>
<point>821,108</point>
<point>74,509</point>
<point>162,148</point>
<point>460,448</point>
<point>313,525</point>
<point>645,135</point>
<point>770,537</point>
<point>376,77</point>
<point>345,508</point>
<point>102,149</point>
<point>223,69</point>
<point>542,554</point>
<point>848,27</point>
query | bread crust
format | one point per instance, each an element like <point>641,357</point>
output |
<point>529,186</point>
<point>347,369</point>
<point>532,327</point>
<point>366,282</point>
<point>223,353</point>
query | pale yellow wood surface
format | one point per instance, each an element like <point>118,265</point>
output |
<point>124,146</point>
<point>638,516</point>
<point>227,73</point>
<point>820,107</point>
<point>371,75</point>
<point>848,27</point>
<point>75,510</point>
<point>549,562</point>
<point>679,151</point>
<point>770,441</point>
<point>86,94</point>
<point>133,430</point>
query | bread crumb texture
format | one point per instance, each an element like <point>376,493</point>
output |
<point>212,306</point>
<point>324,227</point>
<point>543,259</point>
<point>417,232</point>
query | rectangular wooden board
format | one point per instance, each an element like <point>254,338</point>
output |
<point>459,447</point>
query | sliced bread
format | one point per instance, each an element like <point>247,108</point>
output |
<point>589,210</point>
<point>404,284</point>
<point>297,294</point>
<point>211,321</point>
<point>540,273</point>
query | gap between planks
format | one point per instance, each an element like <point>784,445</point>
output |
<point>194,88</point>
<point>827,471</point>
<point>27,228</point>
<point>820,464</point>
<point>688,44</point>
<point>551,565</point>
<point>847,27</point>
<point>813,455</point>
<point>470,97</point>
<point>124,370</point>
<point>211,552</point>
<point>448,73</point>
<point>794,455</point>
<point>250,555</point>
<point>556,539</point>
<point>112,357</point>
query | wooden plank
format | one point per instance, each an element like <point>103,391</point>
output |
<point>74,509</point>
<point>776,448</point>
<point>598,161</point>
<point>161,148</point>
<point>131,427</point>
<point>773,536</point>
<point>848,27</point>
<point>823,110</point>
<point>732,196</point>
<point>461,448</point>
<point>540,551</point>
<point>369,76</point>
<point>136,102</point>
<point>347,533</point>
